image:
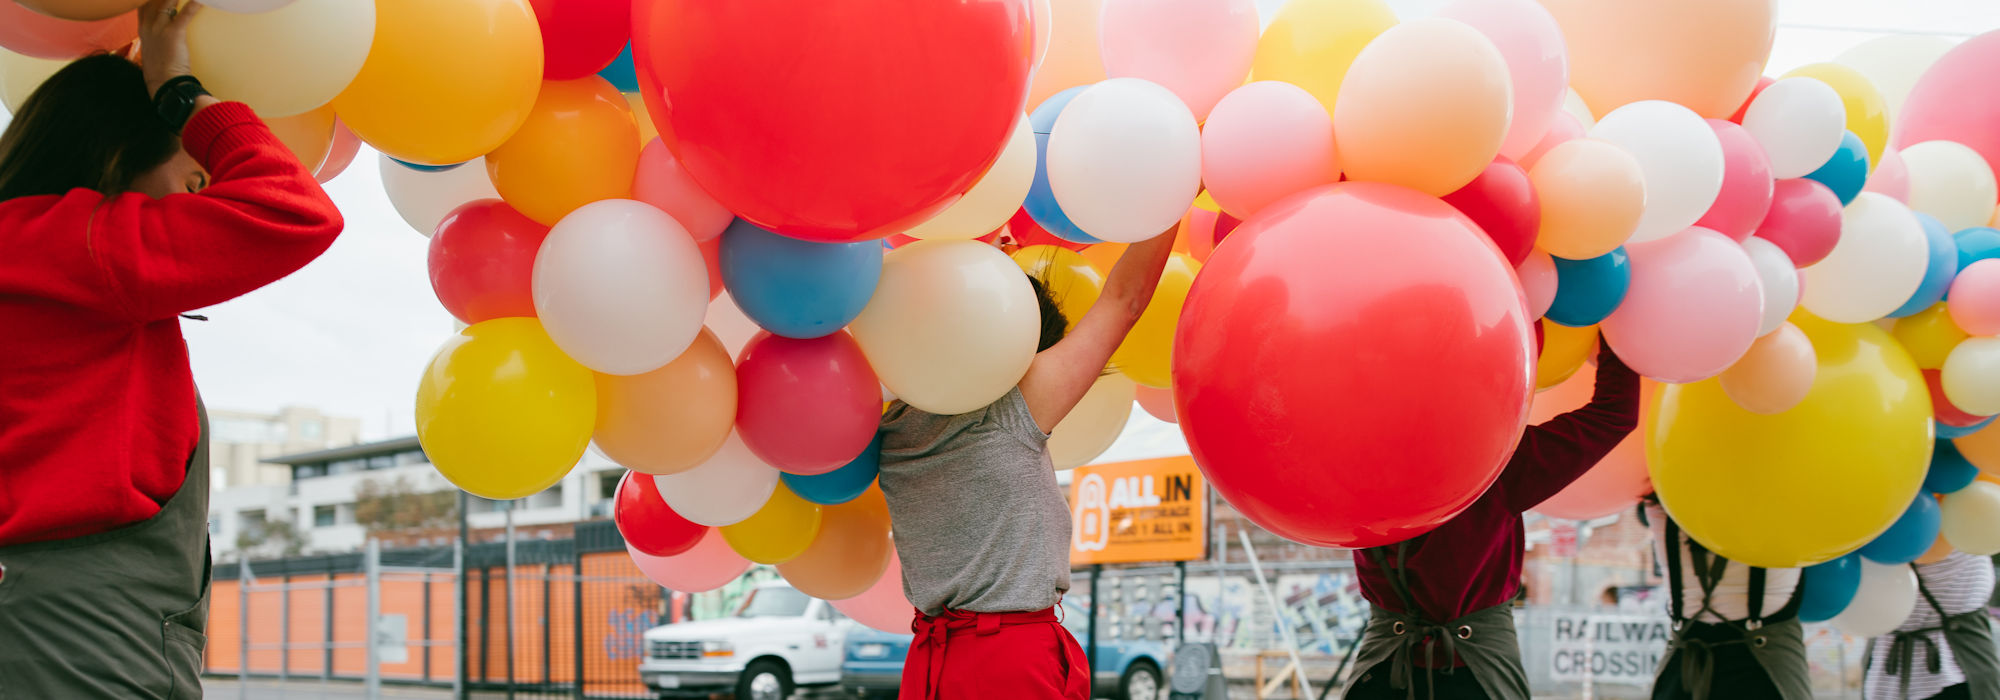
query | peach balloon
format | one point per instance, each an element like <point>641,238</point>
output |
<point>1537,64</point>
<point>671,419</point>
<point>1938,551</point>
<point>849,555</point>
<point>309,136</point>
<point>1159,403</point>
<point>1620,479</point>
<point>1974,301</point>
<point>1264,141</point>
<point>711,564</point>
<point>1775,374</point>
<point>1592,194</point>
<point>1564,128</point>
<point>1703,54</point>
<point>1073,56</point>
<point>883,606</point>
<point>1538,281</point>
<point>1982,449</point>
<point>1425,105</point>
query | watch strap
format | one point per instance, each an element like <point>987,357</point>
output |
<point>175,100</point>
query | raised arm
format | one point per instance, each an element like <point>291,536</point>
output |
<point>1555,453</point>
<point>1062,374</point>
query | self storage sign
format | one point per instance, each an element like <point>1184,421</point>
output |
<point>1148,510</point>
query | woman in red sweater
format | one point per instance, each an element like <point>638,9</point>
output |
<point>128,196</point>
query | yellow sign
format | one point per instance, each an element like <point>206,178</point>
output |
<point>1148,510</point>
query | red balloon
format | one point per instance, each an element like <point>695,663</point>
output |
<point>1746,183</point>
<point>647,522</point>
<point>482,261</point>
<point>1026,233</point>
<point>581,37</point>
<point>834,121</point>
<point>1763,81</point>
<point>1503,203</point>
<point>31,33</point>
<point>1947,414</point>
<point>806,406</point>
<point>1418,407</point>
<point>1804,220</point>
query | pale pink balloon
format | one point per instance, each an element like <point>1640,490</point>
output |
<point>1692,310</point>
<point>1618,480</point>
<point>1563,127</point>
<point>1158,402</point>
<point>1199,49</point>
<point>1531,41</point>
<point>1891,177</point>
<point>1955,100</point>
<point>663,183</point>
<point>1538,281</point>
<point>339,155</point>
<point>710,565</point>
<point>30,33</point>
<point>1975,298</point>
<point>1264,141</point>
<point>1746,183</point>
<point>883,606</point>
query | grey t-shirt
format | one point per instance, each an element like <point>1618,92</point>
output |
<point>979,521</point>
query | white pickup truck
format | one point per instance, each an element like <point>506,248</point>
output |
<point>778,639</point>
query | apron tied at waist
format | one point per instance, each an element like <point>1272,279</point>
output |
<point>1409,630</point>
<point>1697,643</point>
<point>1972,626</point>
<point>934,632</point>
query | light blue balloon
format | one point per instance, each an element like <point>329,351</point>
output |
<point>1976,244</point>
<point>794,288</point>
<point>1910,536</point>
<point>1587,291</point>
<point>623,73</point>
<point>1938,273</point>
<point>1829,587</point>
<point>1041,203</point>
<point>1846,171</point>
<point>1950,470</point>
<point>840,485</point>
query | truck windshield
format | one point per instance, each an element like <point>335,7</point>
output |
<point>774,602</point>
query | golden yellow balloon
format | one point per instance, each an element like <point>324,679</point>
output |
<point>1929,336</point>
<point>579,145</point>
<point>777,533</point>
<point>1564,350</point>
<point>1104,256</point>
<point>502,412</point>
<point>1867,109</point>
<point>446,81</point>
<point>1146,356</point>
<point>1071,281</point>
<point>1312,42</point>
<point>1206,202</point>
<point>1807,485</point>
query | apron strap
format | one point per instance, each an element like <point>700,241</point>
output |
<point>1756,601</point>
<point>1398,578</point>
<point>1708,570</point>
<point>1674,587</point>
<point>1926,591</point>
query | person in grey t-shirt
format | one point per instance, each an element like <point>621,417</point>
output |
<point>980,525</point>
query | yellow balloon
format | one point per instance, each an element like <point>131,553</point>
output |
<point>1206,202</point>
<point>647,131</point>
<point>1563,351</point>
<point>20,75</point>
<point>1929,335</point>
<point>1807,485</point>
<point>579,145</point>
<point>777,533</point>
<point>447,80</point>
<point>1147,353</point>
<point>1312,42</point>
<point>1104,256</point>
<point>1867,109</point>
<point>308,135</point>
<point>502,412</point>
<point>1094,423</point>
<point>1069,277</point>
<point>285,61</point>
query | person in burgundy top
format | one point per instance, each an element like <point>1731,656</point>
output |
<point>1442,627</point>
<point>128,196</point>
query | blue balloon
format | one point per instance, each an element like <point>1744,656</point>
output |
<point>426,168</point>
<point>794,288</point>
<point>1847,171</point>
<point>1041,204</point>
<point>1946,432</point>
<point>1589,290</point>
<point>623,73</point>
<point>840,485</point>
<point>1938,273</point>
<point>1976,244</point>
<point>1950,471</point>
<point>1911,535</point>
<point>1829,587</point>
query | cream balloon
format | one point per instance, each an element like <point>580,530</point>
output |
<point>1775,375</point>
<point>1894,63</point>
<point>1877,265</point>
<point>1094,423</point>
<point>1573,105</point>
<point>287,59</point>
<point>993,199</point>
<point>1971,378</point>
<point>1125,160</point>
<point>1780,279</point>
<point>1952,182</point>
<point>1972,519</point>
<point>952,326</point>
<point>725,490</point>
<point>20,75</point>
<point>424,197</point>
<point>620,286</point>
<point>247,6</point>
<point>1886,597</point>
<point>1799,122</point>
<point>1680,157</point>
<point>1426,105</point>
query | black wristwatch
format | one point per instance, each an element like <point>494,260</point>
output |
<point>175,100</point>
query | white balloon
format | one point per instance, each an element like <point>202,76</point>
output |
<point>1124,160</point>
<point>1972,519</point>
<point>424,197</point>
<point>1781,282</point>
<point>730,325</point>
<point>1878,263</point>
<point>620,286</point>
<point>992,200</point>
<point>250,6</point>
<point>1894,63</point>
<point>1680,157</point>
<point>1094,423</point>
<point>1971,377</point>
<point>291,58</point>
<point>1952,182</point>
<point>20,75</point>
<point>1799,122</point>
<point>1885,598</point>
<point>725,490</point>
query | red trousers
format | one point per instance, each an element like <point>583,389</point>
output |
<point>994,655</point>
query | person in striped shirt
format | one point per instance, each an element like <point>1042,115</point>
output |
<point>1945,650</point>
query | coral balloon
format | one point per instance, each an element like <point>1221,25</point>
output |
<point>671,419</point>
<point>662,183</point>
<point>1951,182</point>
<point>621,287</point>
<point>849,555</point>
<point>1975,298</point>
<point>1680,157</point>
<point>883,606</point>
<point>1425,106</point>
<point>579,145</point>
<point>424,197</point>
<point>1094,423</point>
<point>1804,220</point>
<point>1779,279</point>
<point>1746,184</point>
<point>81,10</point>
<point>1146,355</point>
<point>998,194</point>
<point>1693,310</point>
<point>806,406</point>
<point>1537,64</point>
<point>778,532</point>
<point>645,521</point>
<point>1877,265</point>
<point>1124,160</point>
<point>287,61</point>
<point>502,412</point>
<point>1775,374</point>
<point>711,564</point>
<point>1706,54</point>
<point>581,37</point>
<point>38,35</point>
<point>1618,481</point>
<point>952,326</point>
<point>438,89</point>
<point>1199,49</point>
<point>1264,141</point>
<point>1953,101</point>
<point>1159,403</point>
<point>1592,196</point>
<point>482,261</point>
<point>1503,201</point>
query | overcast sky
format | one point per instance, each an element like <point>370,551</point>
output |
<point>351,332</point>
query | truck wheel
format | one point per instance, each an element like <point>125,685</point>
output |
<point>1141,681</point>
<point>764,679</point>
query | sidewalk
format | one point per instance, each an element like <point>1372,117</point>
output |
<point>310,689</point>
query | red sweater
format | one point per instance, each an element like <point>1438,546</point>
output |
<point>97,402</point>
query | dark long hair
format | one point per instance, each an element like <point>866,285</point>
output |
<point>91,125</point>
<point>1054,324</point>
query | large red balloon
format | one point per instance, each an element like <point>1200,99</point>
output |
<point>581,37</point>
<point>1503,203</point>
<point>482,261</point>
<point>806,406</point>
<point>834,121</point>
<point>1025,232</point>
<point>1354,367</point>
<point>647,522</point>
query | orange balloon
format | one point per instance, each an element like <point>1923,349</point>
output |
<point>309,136</point>
<point>1103,255</point>
<point>1982,449</point>
<point>446,81</point>
<point>1592,194</point>
<point>1704,54</point>
<point>849,555</point>
<point>1426,105</point>
<point>579,145</point>
<point>1938,550</point>
<point>82,10</point>
<point>1618,480</point>
<point>671,419</point>
<point>1776,373</point>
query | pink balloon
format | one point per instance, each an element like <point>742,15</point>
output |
<point>663,183</point>
<point>1804,220</point>
<point>1538,281</point>
<point>883,605</point>
<point>711,564</point>
<point>1955,100</point>
<point>1891,177</point>
<point>1537,63</point>
<point>1746,183</point>
<point>345,146</point>
<point>1158,402</point>
<point>1618,480</point>
<point>1563,127</point>
<point>31,33</point>
<point>1264,141</point>
<point>1199,49</point>
<point>806,406</point>
<point>1692,310</point>
<point>1975,298</point>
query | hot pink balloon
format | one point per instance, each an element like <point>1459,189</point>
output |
<point>1975,298</point>
<point>663,183</point>
<point>1199,49</point>
<point>1955,100</point>
<point>1538,281</point>
<point>806,406</point>
<point>711,564</point>
<point>1263,141</point>
<point>31,33</point>
<point>1891,177</point>
<point>1692,310</point>
<point>1563,127</point>
<point>1158,402</point>
<point>1804,220</point>
<point>1746,183</point>
<point>1531,41</point>
<point>883,606</point>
